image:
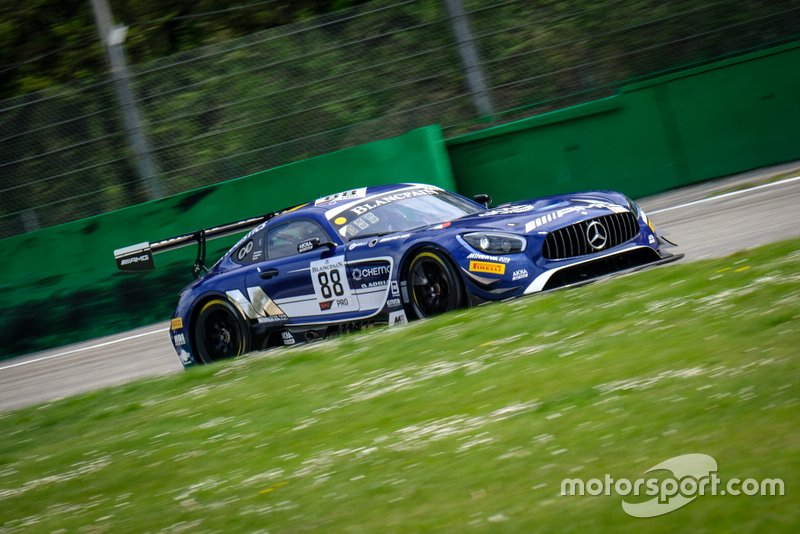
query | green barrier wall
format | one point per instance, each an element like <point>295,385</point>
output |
<point>61,285</point>
<point>728,117</point>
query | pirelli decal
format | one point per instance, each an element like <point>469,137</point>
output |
<point>487,267</point>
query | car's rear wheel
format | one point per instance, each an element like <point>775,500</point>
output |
<point>434,285</point>
<point>219,332</point>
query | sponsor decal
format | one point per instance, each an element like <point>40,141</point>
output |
<point>305,246</point>
<point>393,303</point>
<point>288,338</point>
<point>509,210</point>
<point>185,357</point>
<point>487,267</point>
<point>257,255</point>
<point>176,324</point>
<point>331,285</point>
<point>487,257</point>
<point>273,319</point>
<point>397,318</point>
<point>344,195</point>
<point>135,259</point>
<point>394,237</point>
<point>651,239</point>
<point>358,273</point>
<point>340,220</point>
<point>178,340</point>
<point>244,251</point>
<point>519,274</point>
<point>395,289</point>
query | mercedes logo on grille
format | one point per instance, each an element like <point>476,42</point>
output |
<point>597,235</point>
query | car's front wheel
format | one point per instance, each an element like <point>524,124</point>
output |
<point>219,332</point>
<point>433,283</point>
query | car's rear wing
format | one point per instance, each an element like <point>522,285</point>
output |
<point>139,257</point>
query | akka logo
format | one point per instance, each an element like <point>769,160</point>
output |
<point>519,274</point>
<point>486,267</point>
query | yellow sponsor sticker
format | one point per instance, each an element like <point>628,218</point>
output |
<point>176,324</point>
<point>340,221</point>
<point>487,267</point>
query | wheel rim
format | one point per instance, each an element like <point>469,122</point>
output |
<point>431,287</point>
<point>221,335</point>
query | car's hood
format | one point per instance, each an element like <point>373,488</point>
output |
<point>543,214</point>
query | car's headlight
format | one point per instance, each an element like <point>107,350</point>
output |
<point>495,242</point>
<point>640,214</point>
<point>634,207</point>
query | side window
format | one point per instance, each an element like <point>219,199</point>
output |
<point>282,240</point>
<point>251,250</point>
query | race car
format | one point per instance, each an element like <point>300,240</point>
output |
<point>387,254</point>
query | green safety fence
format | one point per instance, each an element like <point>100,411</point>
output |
<point>61,285</point>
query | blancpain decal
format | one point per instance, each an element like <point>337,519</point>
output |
<point>368,206</point>
<point>509,210</point>
<point>519,274</point>
<point>554,215</point>
<point>487,257</point>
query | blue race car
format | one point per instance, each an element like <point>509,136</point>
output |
<point>388,254</point>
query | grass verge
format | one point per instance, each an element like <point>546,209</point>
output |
<point>466,422</point>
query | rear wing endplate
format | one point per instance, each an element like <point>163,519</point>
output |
<point>138,258</point>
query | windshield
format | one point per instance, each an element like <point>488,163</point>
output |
<point>400,211</point>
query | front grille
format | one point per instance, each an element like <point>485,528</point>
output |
<point>573,240</point>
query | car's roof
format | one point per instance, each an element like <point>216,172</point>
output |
<point>319,207</point>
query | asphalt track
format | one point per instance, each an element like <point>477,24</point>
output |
<point>707,220</point>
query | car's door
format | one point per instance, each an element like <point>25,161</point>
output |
<point>304,273</point>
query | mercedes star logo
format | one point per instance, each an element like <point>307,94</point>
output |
<point>597,235</point>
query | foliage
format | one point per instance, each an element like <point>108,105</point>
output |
<point>244,102</point>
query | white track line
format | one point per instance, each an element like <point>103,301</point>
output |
<point>726,195</point>
<point>161,331</point>
<point>74,351</point>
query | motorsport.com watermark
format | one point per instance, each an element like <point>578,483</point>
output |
<point>693,475</point>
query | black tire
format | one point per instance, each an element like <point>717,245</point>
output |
<point>434,286</point>
<point>219,332</point>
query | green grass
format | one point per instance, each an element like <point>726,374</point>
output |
<point>466,422</point>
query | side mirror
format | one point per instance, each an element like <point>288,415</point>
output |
<point>484,199</point>
<point>313,244</point>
